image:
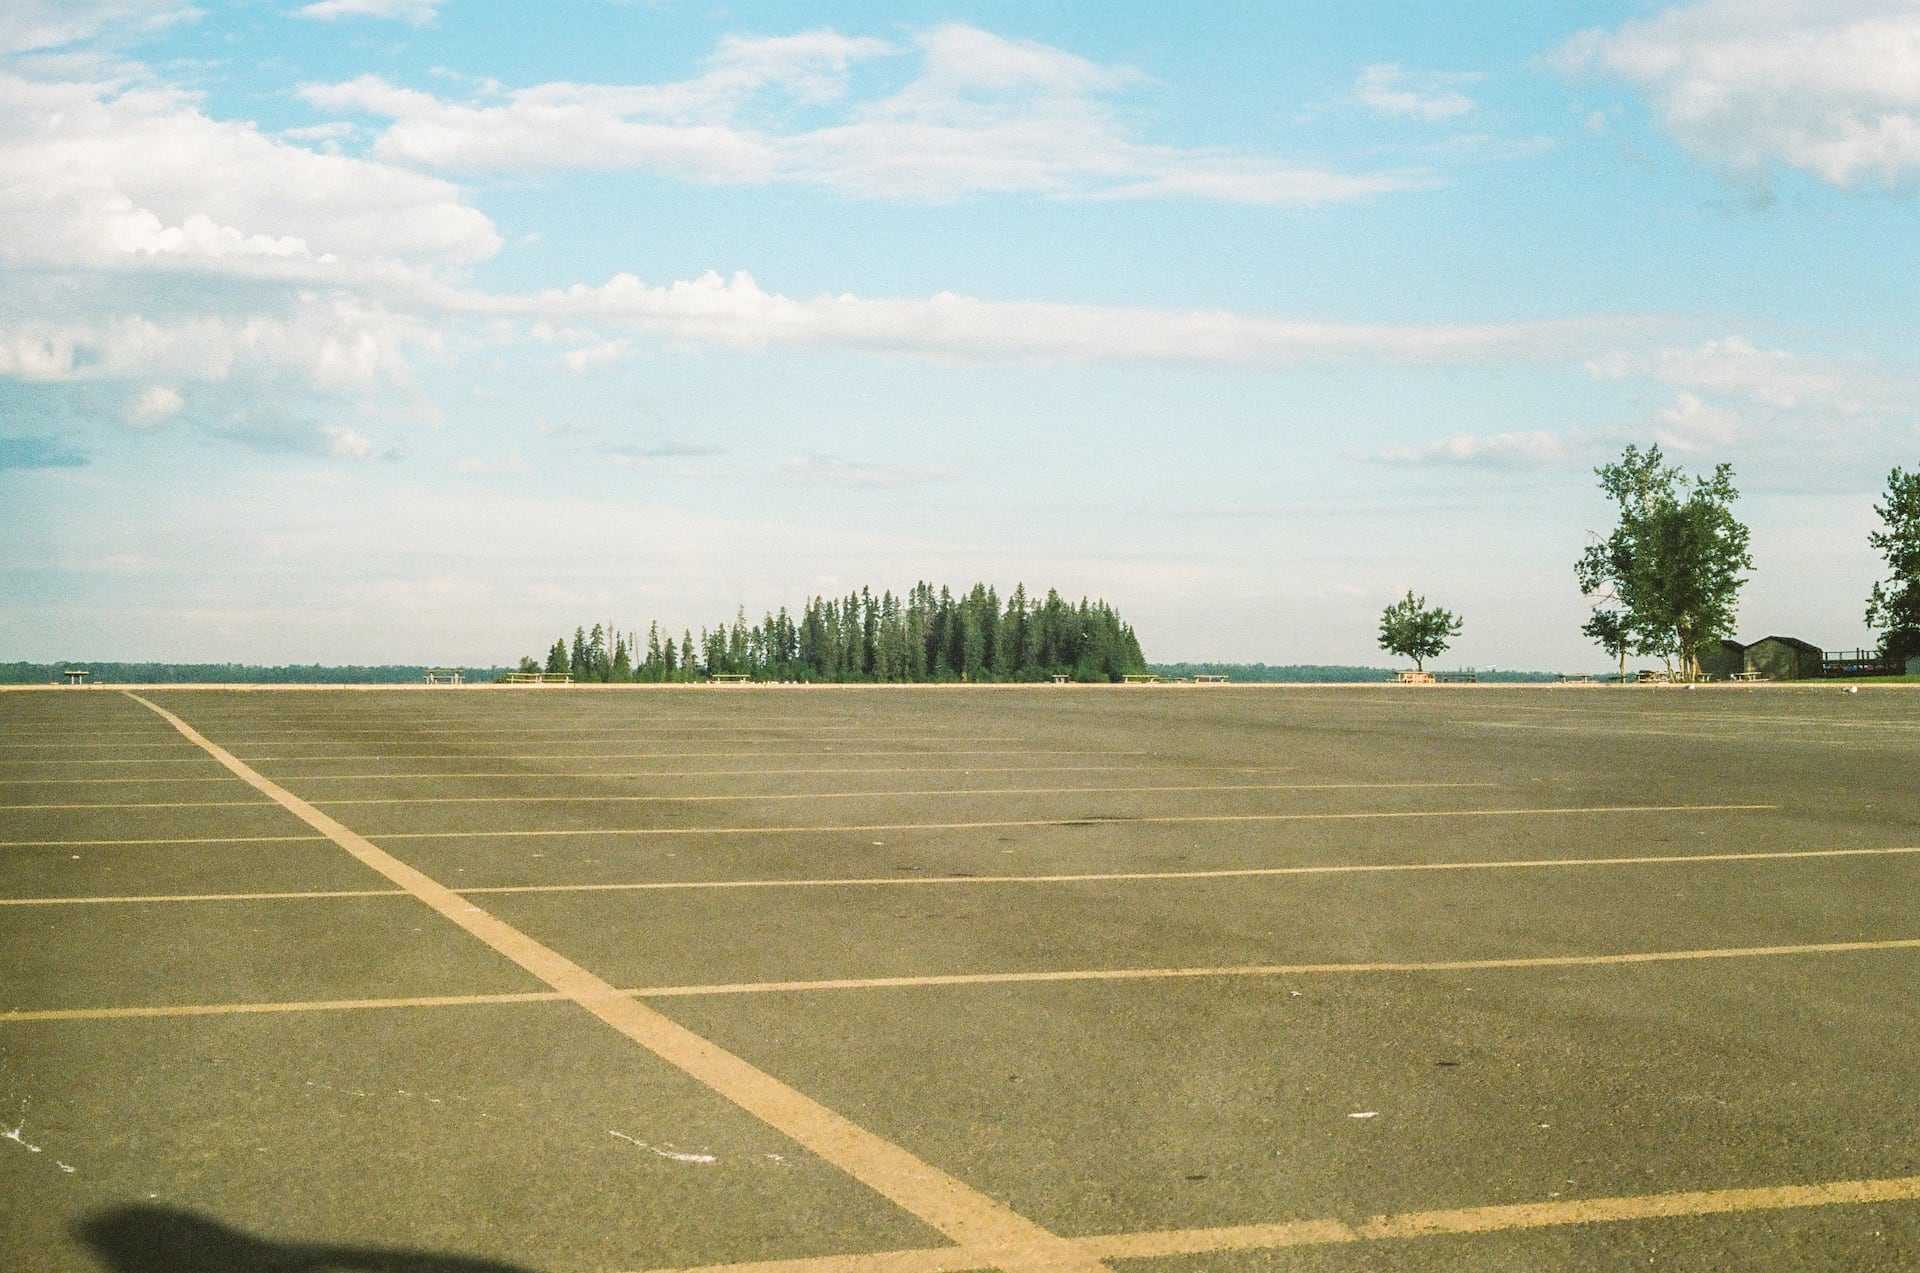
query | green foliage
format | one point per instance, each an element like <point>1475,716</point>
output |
<point>1609,628</point>
<point>927,635</point>
<point>1411,630</point>
<point>1893,608</point>
<point>1671,568</point>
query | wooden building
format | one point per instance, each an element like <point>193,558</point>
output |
<point>1784,658</point>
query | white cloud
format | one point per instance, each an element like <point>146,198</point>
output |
<point>417,13</point>
<point>1387,88</point>
<point>1486,450</point>
<point>590,356</point>
<point>737,311</point>
<point>336,131</point>
<point>1734,366</point>
<point>984,114</point>
<point>26,25</point>
<point>1830,87</point>
<point>334,343</point>
<point>346,444</point>
<point>154,405</point>
<point>115,176</point>
<point>1691,424</point>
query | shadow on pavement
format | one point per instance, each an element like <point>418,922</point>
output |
<point>165,1240</point>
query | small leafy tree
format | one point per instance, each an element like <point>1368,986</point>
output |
<point>1408,628</point>
<point>527,664</point>
<point>1673,561</point>
<point>1609,628</point>
<point>1893,609</point>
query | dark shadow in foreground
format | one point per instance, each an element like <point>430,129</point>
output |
<point>165,1240</point>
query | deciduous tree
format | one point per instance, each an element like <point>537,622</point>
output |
<point>1673,561</point>
<point>1893,609</point>
<point>1413,631</point>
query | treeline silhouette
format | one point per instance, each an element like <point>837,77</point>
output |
<point>229,673</point>
<point>926,635</point>
<point>1320,673</point>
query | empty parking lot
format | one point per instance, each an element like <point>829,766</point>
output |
<point>1144,978</point>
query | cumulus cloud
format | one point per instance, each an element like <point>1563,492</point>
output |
<point>28,25</point>
<point>417,13</point>
<point>1691,424</point>
<point>347,444</point>
<point>1485,450</point>
<point>273,430</point>
<point>1387,88</point>
<point>156,405</point>
<point>1829,87</point>
<point>983,114</point>
<point>588,357</point>
<point>1732,366</point>
<point>112,175</point>
<point>333,343</point>
<point>736,311</point>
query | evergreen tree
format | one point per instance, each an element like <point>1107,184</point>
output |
<point>599,665</point>
<point>925,634</point>
<point>655,664</point>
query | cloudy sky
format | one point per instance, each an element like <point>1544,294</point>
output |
<point>422,330</point>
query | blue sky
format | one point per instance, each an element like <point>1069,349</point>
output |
<point>422,330</point>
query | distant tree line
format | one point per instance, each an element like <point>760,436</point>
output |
<point>1319,673</point>
<point>229,673</point>
<point>927,635</point>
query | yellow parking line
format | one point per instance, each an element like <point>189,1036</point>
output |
<point>1403,1226</point>
<point>197,839</point>
<point>1089,877</point>
<point>1153,819</point>
<point>964,1215</point>
<point>866,795</point>
<point>1040,977</point>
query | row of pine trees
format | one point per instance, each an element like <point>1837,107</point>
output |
<point>928,635</point>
